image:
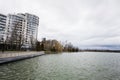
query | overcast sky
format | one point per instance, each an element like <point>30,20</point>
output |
<point>81,22</point>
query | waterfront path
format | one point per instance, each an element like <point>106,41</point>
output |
<point>11,56</point>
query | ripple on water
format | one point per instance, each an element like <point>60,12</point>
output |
<point>77,66</point>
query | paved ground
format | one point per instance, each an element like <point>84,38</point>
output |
<point>11,56</point>
<point>16,53</point>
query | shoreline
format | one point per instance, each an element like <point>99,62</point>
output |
<point>17,56</point>
<point>116,51</point>
<point>20,57</point>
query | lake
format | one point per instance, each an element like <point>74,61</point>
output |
<point>65,66</point>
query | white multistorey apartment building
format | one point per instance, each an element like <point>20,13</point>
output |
<point>21,30</point>
<point>32,24</point>
<point>2,28</point>
<point>14,27</point>
<point>30,30</point>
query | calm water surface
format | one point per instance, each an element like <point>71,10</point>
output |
<point>66,66</point>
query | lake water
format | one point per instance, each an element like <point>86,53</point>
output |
<point>65,66</point>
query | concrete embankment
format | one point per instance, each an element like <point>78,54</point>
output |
<point>26,55</point>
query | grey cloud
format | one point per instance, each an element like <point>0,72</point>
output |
<point>82,22</point>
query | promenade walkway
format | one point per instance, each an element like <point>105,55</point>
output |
<point>11,56</point>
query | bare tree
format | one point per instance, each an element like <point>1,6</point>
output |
<point>16,36</point>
